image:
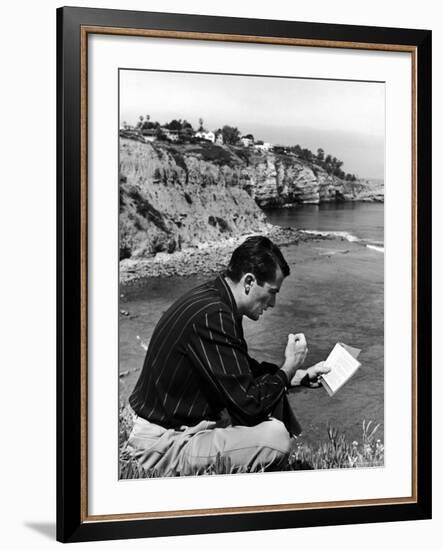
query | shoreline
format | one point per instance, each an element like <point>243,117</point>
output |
<point>209,257</point>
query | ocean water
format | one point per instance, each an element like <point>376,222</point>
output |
<point>359,220</point>
<point>335,293</point>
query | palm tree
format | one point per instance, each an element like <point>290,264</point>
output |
<point>140,123</point>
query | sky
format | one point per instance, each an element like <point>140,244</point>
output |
<point>345,118</point>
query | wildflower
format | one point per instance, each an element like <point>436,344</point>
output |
<point>352,461</point>
<point>367,449</point>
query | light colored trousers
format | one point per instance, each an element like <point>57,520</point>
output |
<point>197,449</point>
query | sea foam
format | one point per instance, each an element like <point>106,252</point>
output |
<point>376,248</point>
<point>373,245</point>
<point>341,234</point>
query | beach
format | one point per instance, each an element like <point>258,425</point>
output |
<point>205,258</point>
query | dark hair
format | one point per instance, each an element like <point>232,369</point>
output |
<point>257,255</point>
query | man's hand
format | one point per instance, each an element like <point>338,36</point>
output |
<point>295,354</point>
<point>313,372</point>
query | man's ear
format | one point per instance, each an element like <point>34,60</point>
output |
<point>248,281</point>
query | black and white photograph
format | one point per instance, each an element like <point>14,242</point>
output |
<point>251,274</point>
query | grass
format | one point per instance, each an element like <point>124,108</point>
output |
<point>336,452</point>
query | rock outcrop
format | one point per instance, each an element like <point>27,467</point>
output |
<point>282,180</point>
<point>178,196</point>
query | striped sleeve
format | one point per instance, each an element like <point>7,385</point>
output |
<point>221,355</point>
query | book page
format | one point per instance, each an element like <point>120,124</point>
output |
<point>355,352</point>
<point>343,365</point>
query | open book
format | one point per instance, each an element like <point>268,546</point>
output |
<point>343,363</point>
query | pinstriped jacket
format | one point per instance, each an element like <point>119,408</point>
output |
<point>197,364</point>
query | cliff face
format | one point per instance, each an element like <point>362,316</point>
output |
<point>174,196</point>
<point>277,180</point>
<point>168,201</point>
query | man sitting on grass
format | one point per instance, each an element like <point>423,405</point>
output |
<point>197,365</point>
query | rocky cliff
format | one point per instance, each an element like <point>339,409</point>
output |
<point>169,200</point>
<point>277,180</point>
<point>174,196</point>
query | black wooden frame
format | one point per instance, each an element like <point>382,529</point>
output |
<point>70,524</point>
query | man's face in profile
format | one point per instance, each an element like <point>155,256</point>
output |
<point>260,298</point>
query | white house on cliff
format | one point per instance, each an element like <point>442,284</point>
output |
<point>208,136</point>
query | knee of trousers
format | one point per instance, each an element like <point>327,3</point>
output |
<point>274,435</point>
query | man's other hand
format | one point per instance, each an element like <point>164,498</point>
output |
<point>313,373</point>
<point>318,369</point>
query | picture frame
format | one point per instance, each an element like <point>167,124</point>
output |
<point>75,212</point>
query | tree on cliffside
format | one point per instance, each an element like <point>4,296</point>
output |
<point>306,154</point>
<point>159,134</point>
<point>148,125</point>
<point>182,127</point>
<point>174,125</point>
<point>231,135</point>
<point>187,131</point>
